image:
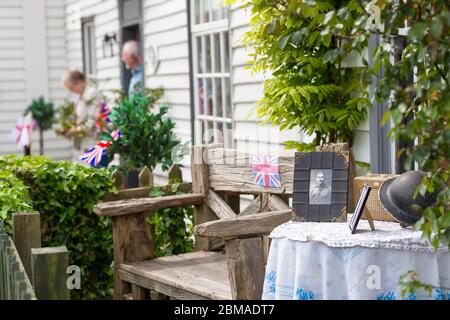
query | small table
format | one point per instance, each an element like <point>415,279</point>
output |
<point>311,260</point>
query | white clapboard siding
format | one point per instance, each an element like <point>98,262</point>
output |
<point>56,147</point>
<point>165,28</point>
<point>12,71</point>
<point>14,97</point>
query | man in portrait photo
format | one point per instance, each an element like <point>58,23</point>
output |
<point>319,191</point>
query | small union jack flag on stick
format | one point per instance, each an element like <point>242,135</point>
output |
<point>94,155</point>
<point>265,170</point>
<point>103,117</point>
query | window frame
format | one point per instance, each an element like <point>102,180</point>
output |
<point>89,49</point>
<point>200,31</point>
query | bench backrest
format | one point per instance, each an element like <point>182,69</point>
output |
<point>231,171</point>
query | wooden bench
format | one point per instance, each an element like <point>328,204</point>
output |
<point>219,177</point>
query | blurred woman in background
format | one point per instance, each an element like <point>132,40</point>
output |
<point>83,131</point>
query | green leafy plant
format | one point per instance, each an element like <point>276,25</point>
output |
<point>147,138</point>
<point>173,227</point>
<point>153,94</point>
<point>64,194</point>
<point>43,113</point>
<point>416,85</point>
<point>14,197</point>
<point>65,116</point>
<point>309,89</point>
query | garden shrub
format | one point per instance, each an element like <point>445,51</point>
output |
<point>173,226</point>
<point>64,194</point>
<point>148,138</point>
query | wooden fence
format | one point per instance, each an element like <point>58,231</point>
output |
<point>14,281</point>
<point>146,183</point>
<point>27,271</point>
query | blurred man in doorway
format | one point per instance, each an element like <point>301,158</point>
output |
<point>131,57</point>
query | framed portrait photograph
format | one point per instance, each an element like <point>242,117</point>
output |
<point>320,186</point>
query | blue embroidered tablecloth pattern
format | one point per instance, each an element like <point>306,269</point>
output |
<point>310,261</point>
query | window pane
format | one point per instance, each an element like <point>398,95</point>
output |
<point>199,51</point>
<point>197,11</point>
<point>216,40</point>
<point>226,52</point>
<point>225,63</point>
<point>218,92</point>
<point>217,8</point>
<point>207,41</point>
<point>208,97</point>
<point>206,9</point>
<point>201,97</point>
<point>227,93</point>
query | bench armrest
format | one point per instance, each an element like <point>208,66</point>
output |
<point>244,226</point>
<point>131,206</point>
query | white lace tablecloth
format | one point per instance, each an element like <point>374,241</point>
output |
<point>312,260</point>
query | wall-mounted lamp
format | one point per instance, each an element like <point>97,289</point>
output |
<point>109,40</point>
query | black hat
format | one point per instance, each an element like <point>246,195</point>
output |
<point>396,196</point>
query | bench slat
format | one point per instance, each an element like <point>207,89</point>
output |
<point>190,272</point>
<point>130,206</point>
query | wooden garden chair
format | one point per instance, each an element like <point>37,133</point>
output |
<point>219,177</point>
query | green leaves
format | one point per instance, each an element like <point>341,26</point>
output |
<point>147,139</point>
<point>43,113</point>
<point>283,41</point>
<point>64,194</point>
<point>173,227</point>
<point>417,31</point>
<point>296,42</point>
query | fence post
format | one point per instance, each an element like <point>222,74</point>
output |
<point>146,177</point>
<point>175,173</point>
<point>26,235</point>
<point>119,180</point>
<point>49,267</point>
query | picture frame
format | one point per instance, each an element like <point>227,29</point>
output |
<point>359,209</point>
<point>320,187</point>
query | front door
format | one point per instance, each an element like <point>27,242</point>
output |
<point>131,28</point>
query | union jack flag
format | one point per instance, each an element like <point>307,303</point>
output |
<point>265,170</point>
<point>103,117</point>
<point>94,155</point>
<point>116,134</point>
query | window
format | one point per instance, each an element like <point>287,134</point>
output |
<point>88,38</point>
<point>212,85</point>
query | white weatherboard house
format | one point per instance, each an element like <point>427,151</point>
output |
<point>187,46</point>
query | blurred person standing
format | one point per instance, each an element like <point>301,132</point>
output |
<point>131,57</point>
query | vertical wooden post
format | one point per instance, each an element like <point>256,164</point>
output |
<point>175,173</point>
<point>138,293</point>
<point>200,184</point>
<point>27,235</point>
<point>146,177</point>
<point>49,267</point>
<point>246,269</point>
<point>133,241</point>
<point>119,180</point>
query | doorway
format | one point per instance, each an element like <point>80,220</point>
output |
<point>131,28</point>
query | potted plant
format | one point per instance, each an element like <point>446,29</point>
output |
<point>147,137</point>
<point>43,113</point>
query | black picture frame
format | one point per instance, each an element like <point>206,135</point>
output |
<point>359,208</point>
<point>333,188</point>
